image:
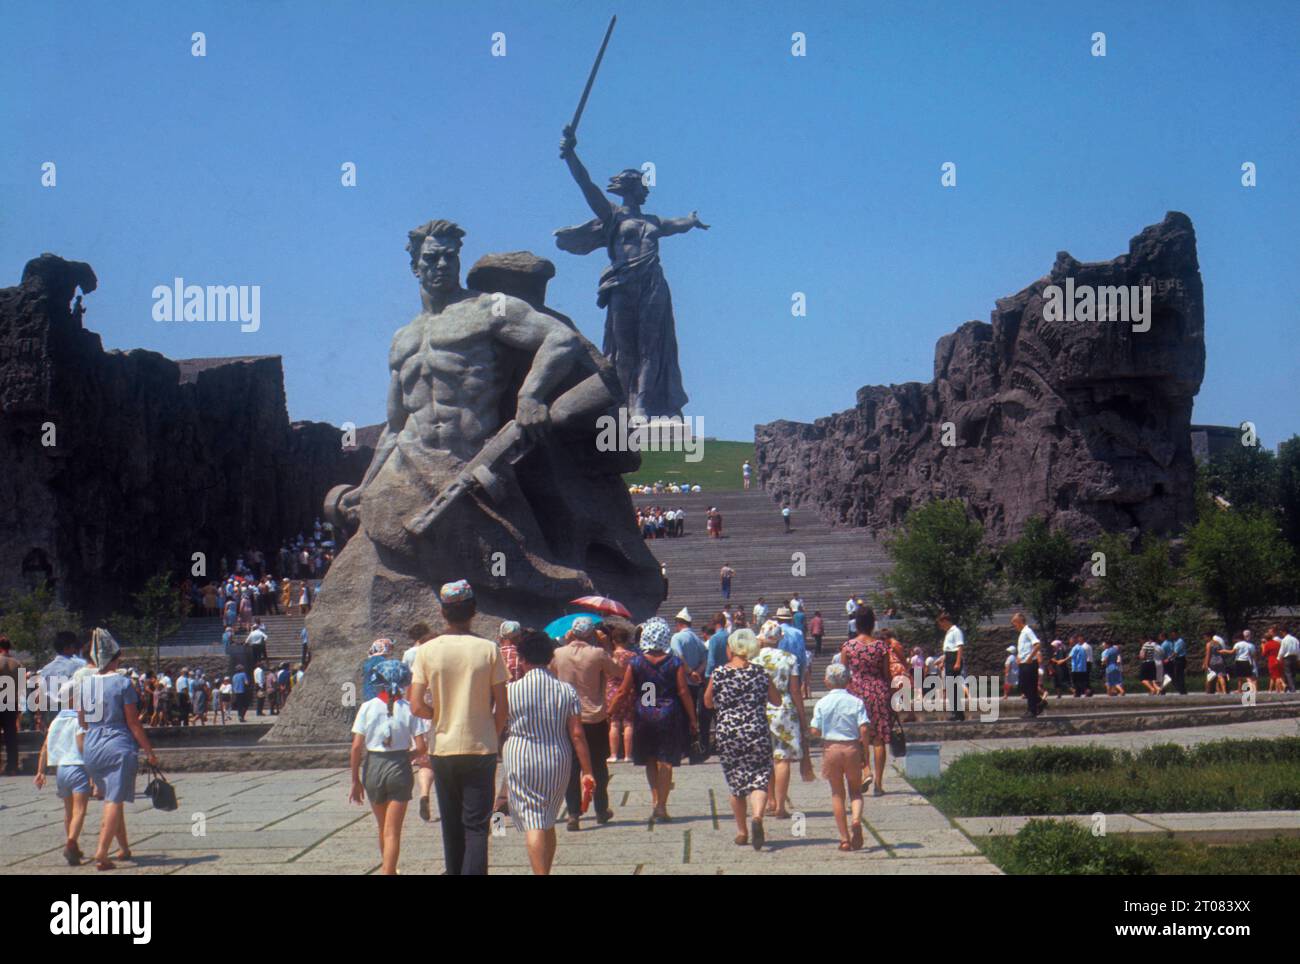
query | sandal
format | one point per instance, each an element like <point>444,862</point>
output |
<point>844,846</point>
<point>742,839</point>
<point>125,854</point>
<point>105,865</point>
<point>756,833</point>
<point>72,855</point>
<point>855,837</point>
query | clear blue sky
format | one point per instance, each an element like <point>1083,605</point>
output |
<point>819,174</point>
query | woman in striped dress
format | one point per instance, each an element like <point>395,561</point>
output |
<point>545,730</point>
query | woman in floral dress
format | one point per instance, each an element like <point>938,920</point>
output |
<point>621,724</point>
<point>867,659</point>
<point>740,692</point>
<point>786,722</point>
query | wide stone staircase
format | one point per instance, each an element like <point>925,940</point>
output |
<point>824,565</point>
<point>201,635</point>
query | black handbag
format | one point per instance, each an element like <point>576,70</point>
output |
<point>160,791</point>
<point>897,739</point>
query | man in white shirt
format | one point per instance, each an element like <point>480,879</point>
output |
<point>954,644</point>
<point>1289,656</point>
<point>760,614</point>
<point>1027,655</point>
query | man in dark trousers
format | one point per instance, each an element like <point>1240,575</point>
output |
<point>1028,649</point>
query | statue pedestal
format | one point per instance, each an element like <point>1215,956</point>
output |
<point>663,434</point>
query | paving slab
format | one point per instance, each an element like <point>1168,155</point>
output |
<point>280,822</point>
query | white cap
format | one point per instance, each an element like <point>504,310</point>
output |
<point>684,615</point>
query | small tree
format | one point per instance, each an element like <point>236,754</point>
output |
<point>1245,475</point>
<point>31,620</point>
<point>940,564</point>
<point>1042,572</point>
<point>1145,589</point>
<point>159,612</point>
<point>1241,564</point>
<point>1288,486</point>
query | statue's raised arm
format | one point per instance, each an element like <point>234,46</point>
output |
<point>595,199</point>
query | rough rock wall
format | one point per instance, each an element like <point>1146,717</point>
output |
<point>1085,422</point>
<point>152,459</point>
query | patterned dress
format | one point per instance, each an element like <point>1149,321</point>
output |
<point>868,664</point>
<point>538,753</point>
<point>625,716</point>
<point>782,720</point>
<point>661,728</point>
<point>741,732</point>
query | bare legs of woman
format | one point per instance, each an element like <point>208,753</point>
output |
<point>112,825</point>
<point>660,778</point>
<point>878,750</point>
<point>757,806</point>
<point>615,730</point>
<point>389,817</point>
<point>780,789</point>
<point>541,850</point>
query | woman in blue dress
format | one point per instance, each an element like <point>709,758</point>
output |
<point>1110,658</point>
<point>655,682</point>
<point>114,736</point>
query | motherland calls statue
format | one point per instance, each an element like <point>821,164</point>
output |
<point>640,336</point>
<point>487,470</point>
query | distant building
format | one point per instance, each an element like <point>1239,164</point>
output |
<point>1209,441</point>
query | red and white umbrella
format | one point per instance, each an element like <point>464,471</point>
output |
<point>603,605</point>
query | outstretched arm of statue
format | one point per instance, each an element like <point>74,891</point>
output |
<point>669,226</point>
<point>595,199</point>
<point>555,348</point>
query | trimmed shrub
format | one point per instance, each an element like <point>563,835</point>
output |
<point>1060,847</point>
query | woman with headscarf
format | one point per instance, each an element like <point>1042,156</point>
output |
<point>384,735</point>
<point>380,650</point>
<point>114,736</point>
<point>785,722</point>
<point>656,683</point>
<point>740,692</point>
<point>545,733</point>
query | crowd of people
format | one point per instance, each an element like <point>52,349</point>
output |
<point>656,522</point>
<point>664,488</point>
<point>262,585</point>
<point>559,713</point>
<point>1070,666</point>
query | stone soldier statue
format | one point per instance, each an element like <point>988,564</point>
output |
<point>488,469</point>
<point>640,335</point>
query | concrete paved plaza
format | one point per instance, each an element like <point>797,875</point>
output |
<point>299,822</point>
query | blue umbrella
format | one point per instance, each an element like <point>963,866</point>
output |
<point>557,628</point>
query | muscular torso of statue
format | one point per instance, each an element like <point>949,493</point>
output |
<point>446,367</point>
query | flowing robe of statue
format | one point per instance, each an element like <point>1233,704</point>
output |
<point>640,331</point>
